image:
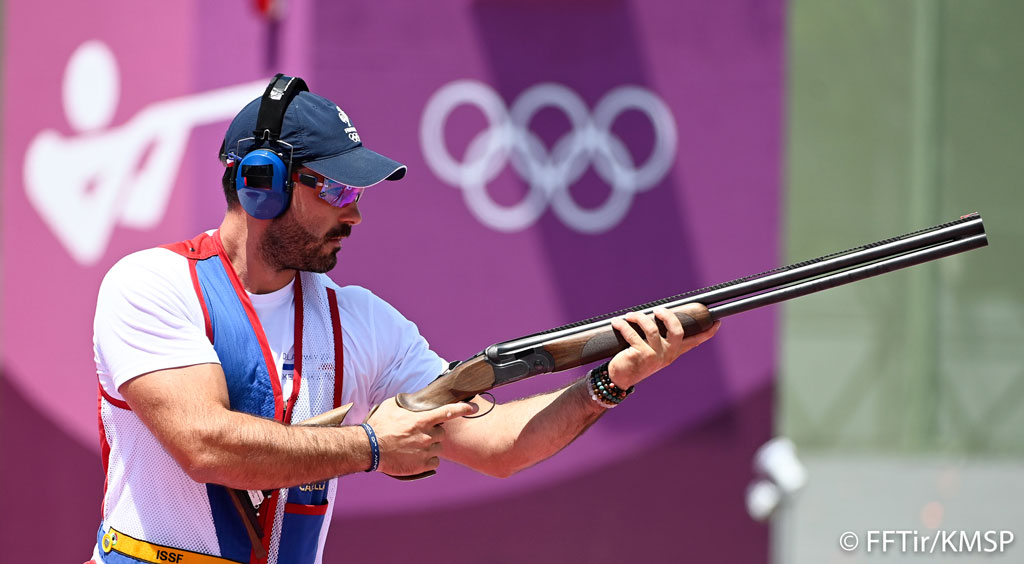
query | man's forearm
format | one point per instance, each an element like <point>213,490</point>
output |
<point>521,433</point>
<point>186,409</point>
<point>246,452</point>
<point>216,445</point>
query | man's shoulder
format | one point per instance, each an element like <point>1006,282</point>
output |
<point>162,261</point>
<point>156,261</point>
<point>148,284</point>
<point>156,269</point>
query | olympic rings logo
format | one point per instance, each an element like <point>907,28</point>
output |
<point>508,140</point>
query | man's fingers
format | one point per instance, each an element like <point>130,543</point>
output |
<point>674,328</point>
<point>628,333</point>
<point>451,411</point>
<point>650,328</point>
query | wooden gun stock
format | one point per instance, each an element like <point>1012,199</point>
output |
<point>328,418</point>
<point>478,374</point>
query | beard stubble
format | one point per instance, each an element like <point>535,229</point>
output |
<point>288,245</point>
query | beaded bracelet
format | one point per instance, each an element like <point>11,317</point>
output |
<point>603,390</point>
<point>595,396</point>
<point>374,447</point>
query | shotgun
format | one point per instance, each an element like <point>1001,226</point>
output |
<point>594,339</point>
<point>590,340</point>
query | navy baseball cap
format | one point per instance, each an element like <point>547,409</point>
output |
<point>323,139</point>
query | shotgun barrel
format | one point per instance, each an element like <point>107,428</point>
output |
<point>774,282</point>
<point>594,339</point>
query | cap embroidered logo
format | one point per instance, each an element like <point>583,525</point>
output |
<point>352,133</point>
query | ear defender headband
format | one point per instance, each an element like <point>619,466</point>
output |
<point>263,176</point>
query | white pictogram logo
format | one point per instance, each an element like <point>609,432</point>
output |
<point>508,140</point>
<point>85,184</point>
<point>352,133</point>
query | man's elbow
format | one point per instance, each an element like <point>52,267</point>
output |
<point>201,457</point>
<point>498,472</point>
<point>502,467</point>
<point>201,467</point>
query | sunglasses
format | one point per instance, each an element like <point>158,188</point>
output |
<point>331,191</point>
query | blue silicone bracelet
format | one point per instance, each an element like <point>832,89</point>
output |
<point>374,447</point>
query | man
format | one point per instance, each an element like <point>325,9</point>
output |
<point>206,349</point>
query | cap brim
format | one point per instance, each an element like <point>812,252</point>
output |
<point>359,168</point>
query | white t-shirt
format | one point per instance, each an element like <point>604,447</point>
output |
<point>148,318</point>
<point>276,312</point>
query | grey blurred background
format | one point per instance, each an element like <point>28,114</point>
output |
<point>904,395</point>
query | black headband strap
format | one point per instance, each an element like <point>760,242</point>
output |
<point>275,101</point>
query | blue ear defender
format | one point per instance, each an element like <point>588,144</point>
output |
<point>263,185</point>
<point>263,176</point>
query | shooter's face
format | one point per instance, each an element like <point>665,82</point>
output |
<point>308,235</point>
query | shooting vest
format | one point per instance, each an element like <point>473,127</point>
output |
<point>151,499</point>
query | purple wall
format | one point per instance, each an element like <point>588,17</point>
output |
<point>601,154</point>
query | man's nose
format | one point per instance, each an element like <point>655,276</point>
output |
<point>350,214</point>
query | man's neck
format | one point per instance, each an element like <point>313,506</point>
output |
<point>241,243</point>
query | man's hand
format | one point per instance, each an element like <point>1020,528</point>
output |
<point>411,442</point>
<point>645,357</point>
